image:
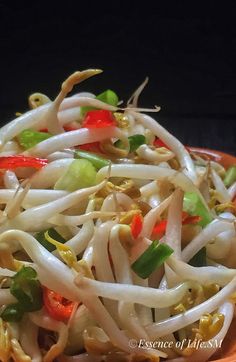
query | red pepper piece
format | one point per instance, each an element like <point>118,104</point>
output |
<point>160,228</point>
<point>91,147</point>
<point>58,308</point>
<point>159,143</point>
<point>13,162</point>
<point>98,119</point>
<point>136,225</point>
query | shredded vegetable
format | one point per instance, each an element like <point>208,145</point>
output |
<point>111,232</point>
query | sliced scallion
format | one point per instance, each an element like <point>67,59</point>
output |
<point>155,255</point>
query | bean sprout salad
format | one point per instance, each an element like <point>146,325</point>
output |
<point>117,242</point>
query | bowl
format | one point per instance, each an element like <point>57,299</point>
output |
<point>228,351</point>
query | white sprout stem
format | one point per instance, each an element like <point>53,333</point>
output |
<point>149,172</point>
<point>50,271</point>
<point>36,117</point>
<point>152,216</point>
<point>173,143</point>
<point>203,275</point>
<point>33,197</point>
<point>101,261</point>
<point>60,154</point>
<point>101,257</point>
<point>232,191</point>
<point>48,267</point>
<point>149,189</point>
<point>109,203</point>
<point>174,223</point>
<point>51,117</point>
<point>126,311</point>
<point>80,241</point>
<point>146,153</point>
<point>29,340</point>
<point>10,180</point>
<point>207,234</point>
<point>27,120</point>
<point>144,313</point>
<point>179,321</point>
<point>133,100</point>
<point>220,248</point>
<point>33,219</point>
<point>150,297</point>
<point>70,139</point>
<point>173,233</point>
<point>222,193</point>
<point>69,115</point>
<point>77,220</point>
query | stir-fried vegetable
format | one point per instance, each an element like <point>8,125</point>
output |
<point>43,241</point>
<point>13,162</point>
<point>230,176</point>
<point>108,228</point>
<point>194,206</point>
<point>29,138</point>
<point>155,255</point>
<point>97,161</point>
<point>58,308</point>
<point>80,174</point>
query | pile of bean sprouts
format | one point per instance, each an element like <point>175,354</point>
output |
<point>114,306</point>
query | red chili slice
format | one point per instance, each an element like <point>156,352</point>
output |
<point>98,119</point>
<point>136,225</point>
<point>58,307</point>
<point>159,143</point>
<point>13,162</point>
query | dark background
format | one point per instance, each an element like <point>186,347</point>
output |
<point>189,53</point>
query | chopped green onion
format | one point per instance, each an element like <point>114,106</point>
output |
<point>30,138</point>
<point>80,174</point>
<point>155,255</point>
<point>27,289</point>
<point>108,96</point>
<point>199,259</point>
<point>40,236</point>
<point>194,206</point>
<point>134,142</point>
<point>12,313</point>
<point>230,176</point>
<point>28,292</point>
<point>97,161</point>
